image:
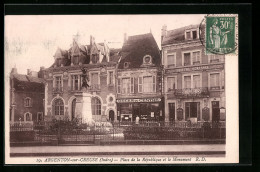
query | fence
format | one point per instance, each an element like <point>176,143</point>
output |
<point>61,132</point>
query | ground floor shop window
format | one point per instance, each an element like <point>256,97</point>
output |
<point>192,110</point>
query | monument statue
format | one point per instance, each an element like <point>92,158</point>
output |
<point>85,79</point>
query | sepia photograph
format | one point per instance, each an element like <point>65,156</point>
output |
<point>121,89</point>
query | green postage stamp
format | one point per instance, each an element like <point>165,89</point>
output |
<point>221,34</point>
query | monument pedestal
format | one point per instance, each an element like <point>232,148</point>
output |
<point>86,109</point>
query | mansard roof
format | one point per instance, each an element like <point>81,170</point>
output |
<point>178,35</point>
<point>28,83</point>
<point>138,46</point>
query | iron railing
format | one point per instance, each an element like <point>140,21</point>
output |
<point>192,92</point>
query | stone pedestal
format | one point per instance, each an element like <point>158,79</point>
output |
<point>86,108</point>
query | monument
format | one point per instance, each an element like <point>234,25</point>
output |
<point>86,96</point>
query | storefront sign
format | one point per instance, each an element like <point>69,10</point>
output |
<point>196,68</point>
<point>145,100</point>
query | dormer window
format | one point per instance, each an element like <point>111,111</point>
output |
<point>76,60</point>
<point>191,34</point>
<point>147,59</point>
<point>58,62</point>
<point>126,65</point>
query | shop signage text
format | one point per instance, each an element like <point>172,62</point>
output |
<point>187,69</point>
<point>145,100</point>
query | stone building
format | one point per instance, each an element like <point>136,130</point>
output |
<point>139,79</point>
<point>63,89</point>
<point>26,96</point>
<point>194,83</point>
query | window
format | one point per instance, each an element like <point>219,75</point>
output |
<point>132,85</point>
<point>148,84</point>
<point>196,81</point>
<point>188,36</point>
<point>192,110</point>
<point>27,102</point>
<point>191,34</point>
<point>95,58</point>
<point>187,59</point>
<point>187,81</point>
<point>194,34</point>
<point>58,84</point>
<point>126,65</point>
<point>191,58</point>
<point>192,81</point>
<point>126,85</point>
<point>39,116</point>
<point>110,77</point>
<point>171,60</point>
<point>140,84</point>
<point>214,58</point>
<point>96,106</point>
<point>196,57</point>
<point>76,60</point>
<point>58,107</point>
<point>171,83</point>
<point>147,59</point>
<point>214,81</point>
<point>119,86</point>
<point>59,62</point>
<point>27,116</point>
<point>75,79</point>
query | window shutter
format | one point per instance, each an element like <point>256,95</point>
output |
<point>132,85</point>
<point>140,84</point>
<point>119,86</point>
<point>154,85</point>
<point>24,102</point>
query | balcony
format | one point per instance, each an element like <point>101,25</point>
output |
<point>94,87</point>
<point>57,90</point>
<point>192,92</point>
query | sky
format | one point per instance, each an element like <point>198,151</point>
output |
<point>31,41</point>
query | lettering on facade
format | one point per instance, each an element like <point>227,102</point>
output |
<point>146,100</point>
<point>196,68</point>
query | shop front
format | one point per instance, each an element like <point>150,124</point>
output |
<point>147,109</point>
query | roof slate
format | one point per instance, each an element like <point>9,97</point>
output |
<point>136,47</point>
<point>177,35</point>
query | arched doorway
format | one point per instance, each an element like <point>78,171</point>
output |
<point>111,115</point>
<point>73,109</point>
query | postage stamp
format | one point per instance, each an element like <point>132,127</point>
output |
<point>221,34</point>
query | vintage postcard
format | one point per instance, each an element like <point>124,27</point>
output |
<point>121,89</point>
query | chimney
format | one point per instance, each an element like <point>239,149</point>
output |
<point>92,40</point>
<point>125,37</point>
<point>28,71</point>
<point>14,70</point>
<point>164,31</point>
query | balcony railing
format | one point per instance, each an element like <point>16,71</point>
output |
<point>192,92</point>
<point>57,90</point>
<point>94,87</point>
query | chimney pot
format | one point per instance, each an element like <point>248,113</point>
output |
<point>28,71</point>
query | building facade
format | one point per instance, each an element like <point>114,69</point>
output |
<point>139,80</point>
<point>193,83</point>
<point>63,89</point>
<point>26,96</point>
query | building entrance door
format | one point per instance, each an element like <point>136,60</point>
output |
<point>73,109</point>
<point>215,111</point>
<point>111,115</point>
<point>171,111</point>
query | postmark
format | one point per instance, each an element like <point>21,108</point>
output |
<point>220,34</point>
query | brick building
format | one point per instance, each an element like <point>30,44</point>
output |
<point>26,96</point>
<point>63,89</point>
<point>194,83</point>
<point>139,79</point>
